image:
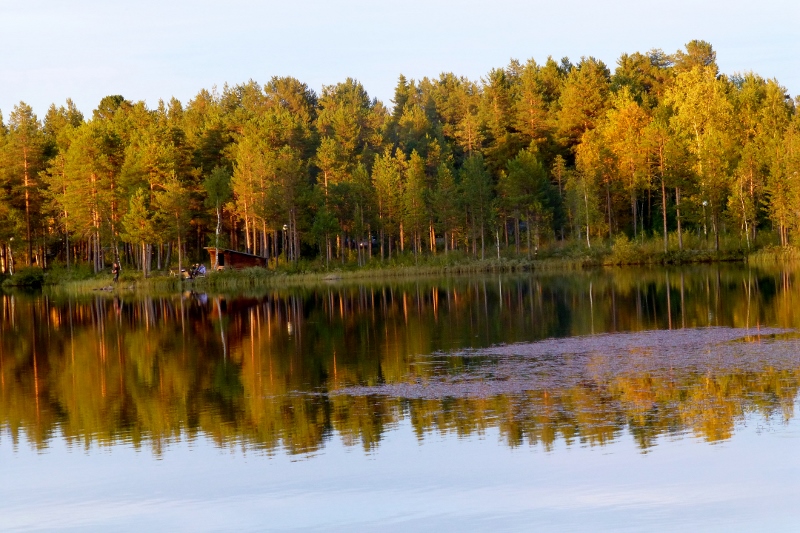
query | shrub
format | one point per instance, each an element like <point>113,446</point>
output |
<point>58,273</point>
<point>623,251</point>
<point>26,277</point>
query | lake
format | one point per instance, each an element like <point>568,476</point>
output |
<point>604,400</point>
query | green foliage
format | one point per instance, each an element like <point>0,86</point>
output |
<point>32,277</point>
<point>624,251</point>
<point>138,221</point>
<point>533,158</point>
<point>218,187</point>
<point>59,274</point>
<point>775,255</point>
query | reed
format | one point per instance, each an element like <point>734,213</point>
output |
<point>774,255</point>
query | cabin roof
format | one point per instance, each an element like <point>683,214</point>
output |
<point>228,250</point>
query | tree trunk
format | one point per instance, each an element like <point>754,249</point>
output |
<point>143,263</point>
<point>586,206</point>
<point>678,216</point>
<point>26,186</point>
<point>246,230</point>
<point>664,212</point>
<point>216,236</point>
<point>528,232</point>
<point>168,258</point>
<point>483,242</point>
<point>608,207</point>
<point>180,257</point>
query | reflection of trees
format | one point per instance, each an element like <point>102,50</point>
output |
<point>259,371</point>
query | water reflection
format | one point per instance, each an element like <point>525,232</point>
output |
<point>291,368</point>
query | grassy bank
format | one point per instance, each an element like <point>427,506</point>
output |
<point>568,257</point>
<point>774,255</point>
<point>260,277</point>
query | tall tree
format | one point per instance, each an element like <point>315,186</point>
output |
<point>171,217</point>
<point>350,126</point>
<point>644,75</point>
<point>59,127</point>
<point>698,54</point>
<point>86,196</point>
<point>624,134</point>
<point>24,159</point>
<point>247,185</point>
<point>218,190</point>
<point>763,113</point>
<point>595,165</point>
<point>476,188</point>
<point>667,157</point>
<point>446,204</point>
<point>583,99</point>
<point>414,195</point>
<point>138,226</point>
<point>387,180</point>
<point>528,193</point>
<point>503,140</point>
<point>703,116</point>
<point>531,106</point>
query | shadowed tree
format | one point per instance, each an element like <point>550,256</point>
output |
<point>387,181</point>
<point>172,217</point>
<point>138,226</point>
<point>476,189</point>
<point>527,192</point>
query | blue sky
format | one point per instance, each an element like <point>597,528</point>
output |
<point>145,50</point>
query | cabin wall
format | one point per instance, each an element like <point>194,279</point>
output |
<point>234,259</point>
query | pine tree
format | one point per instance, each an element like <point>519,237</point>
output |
<point>414,192</point>
<point>23,159</point>
<point>387,181</point>
<point>583,100</point>
<point>476,188</point>
<point>527,192</point>
<point>218,190</point>
<point>446,204</point>
<point>172,218</point>
<point>139,228</point>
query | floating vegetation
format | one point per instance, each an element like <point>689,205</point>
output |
<point>563,363</point>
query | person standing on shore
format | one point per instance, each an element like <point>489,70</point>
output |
<point>115,270</point>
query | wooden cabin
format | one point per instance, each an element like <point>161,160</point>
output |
<point>234,259</point>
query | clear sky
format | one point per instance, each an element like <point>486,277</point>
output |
<point>150,49</point>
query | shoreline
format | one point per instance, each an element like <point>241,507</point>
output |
<point>628,255</point>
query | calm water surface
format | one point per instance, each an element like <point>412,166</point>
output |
<point>605,400</point>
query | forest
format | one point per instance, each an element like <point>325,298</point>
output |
<point>530,157</point>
